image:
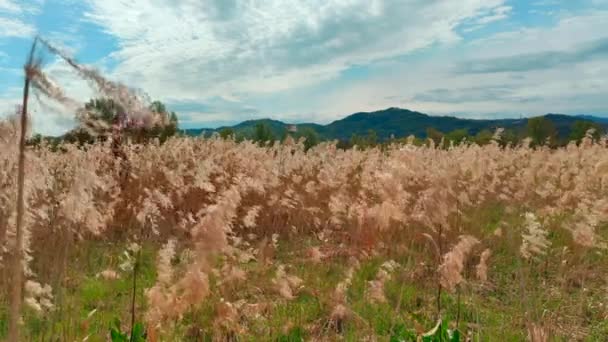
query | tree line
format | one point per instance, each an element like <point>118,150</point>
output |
<point>102,116</point>
<point>540,131</point>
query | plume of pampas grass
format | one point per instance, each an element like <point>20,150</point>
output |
<point>534,238</point>
<point>43,83</point>
<point>584,234</point>
<point>210,234</point>
<point>227,319</point>
<point>136,105</point>
<point>536,333</point>
<point>38,297</point>
<point>250,217</point>
<point>108,274</point>
<point>375,290</point>
<point>163,265</point>
<point>315,255</point>
<point>451,268</point>
<point>339,295</point>
<point>286,285</point>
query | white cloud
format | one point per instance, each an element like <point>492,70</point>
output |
<point>498,13</point>
<point>9,6</point>
<point>246,51</point>
<point>15,28</point>
<point>221,61</point>
<point>13,15</point>
<point>576,86</point>
<point>543,3</point>
<point>193,49</point>
<point>205,119</point>
<point>568,34</point>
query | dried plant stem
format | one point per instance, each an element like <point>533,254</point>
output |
<point>17,276</point>
<point>440,246</point>
<point>458,308</point>
<point>398,307</point>
<point>458,287</point>
<point>134,290</point>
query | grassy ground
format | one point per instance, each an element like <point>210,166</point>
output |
<point>565,292</point>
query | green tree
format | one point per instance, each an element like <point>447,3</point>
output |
<point>158,107</point>
<point>365,141</point>
<point>107,111</point>
<point>483,137</point>
<point>102,109</point>
<point>163,132</point>
<point>171,128</point>
<point>510,137</point>
<point>579,130</point>
<point>263,134</point>
<point>35,140</point>
<point>344,144</point>
<point>457,136</point>
<point>97,124</point>
<point>372,138</point>
<point>541,131</point>
<point>227,133</point>
<point>311,136</point>
<point>79,136</point>
<point>434,135</point>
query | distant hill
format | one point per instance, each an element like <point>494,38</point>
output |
<point>247,128</point>
<point>402,122</point>
<point>594,119</point>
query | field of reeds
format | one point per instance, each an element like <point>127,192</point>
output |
<point>213,239</point>
<point>207,239</point>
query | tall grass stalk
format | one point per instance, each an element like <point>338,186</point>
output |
<point>134,291</point>
<point>17,274</point>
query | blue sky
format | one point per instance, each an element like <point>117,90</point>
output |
<point>219,62</point>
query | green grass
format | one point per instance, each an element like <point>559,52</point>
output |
<point>519,292</point>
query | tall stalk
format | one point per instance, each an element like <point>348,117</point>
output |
<point>17,274</point>
<point>134,292</point>
<point>440,247</point>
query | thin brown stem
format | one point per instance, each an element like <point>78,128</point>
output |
<point>440,247</point>
<point>17,276</point>
<point>458,308</point>
<point>134,290</point>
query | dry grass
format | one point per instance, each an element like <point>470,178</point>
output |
<point>250,226</point>
<point>251,242</point>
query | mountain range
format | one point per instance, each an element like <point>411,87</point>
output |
<point>399,122</point>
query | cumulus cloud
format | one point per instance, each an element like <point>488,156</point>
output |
<point>539,60</point>
<point>13,18</point>
<point>9,6</point>
<point>561,68</point>
<point>494,14</point>
<point>211,47</point>
<point>222,61</point>
<point>15,28</point>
